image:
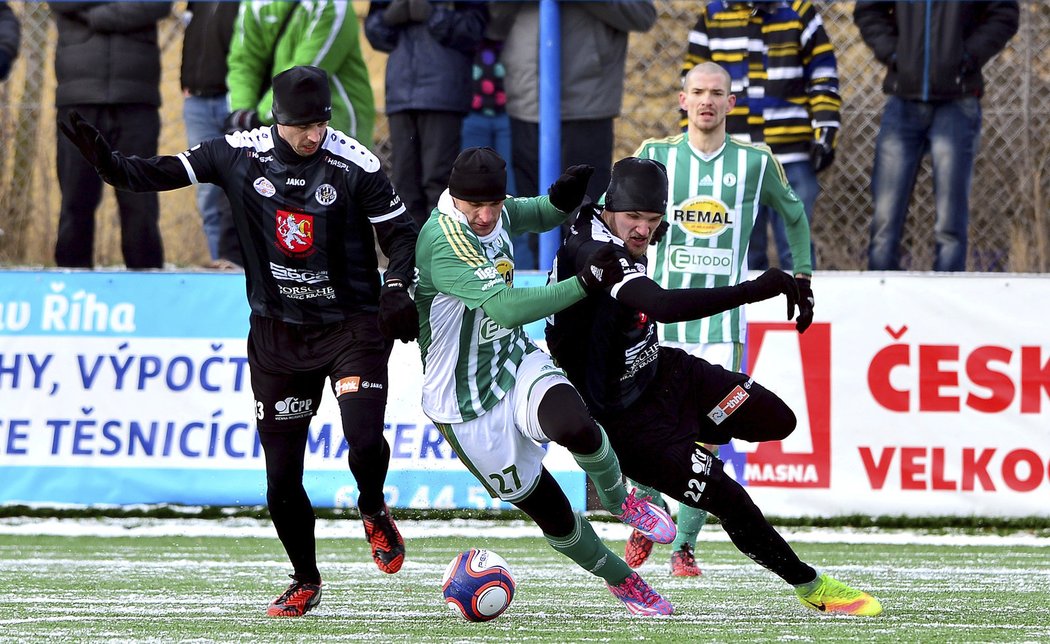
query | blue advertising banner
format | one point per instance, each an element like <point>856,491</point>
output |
<point>127,388</point>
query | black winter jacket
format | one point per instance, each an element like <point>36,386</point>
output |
<point>107,52</point>
<point>205,46</point>
<point>959,38</point>
<point>430,62</point>
<point>9,31</point>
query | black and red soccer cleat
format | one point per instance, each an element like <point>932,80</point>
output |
<point>638,549</point>
<point>388,548</point>
<point>296,601</point>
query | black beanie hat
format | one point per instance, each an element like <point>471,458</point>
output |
<point>479,174</point>
<point>637,185</point>
<point>301,96</point>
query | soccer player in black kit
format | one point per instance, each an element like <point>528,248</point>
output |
<point>658,404</point>
<point>309,203</point>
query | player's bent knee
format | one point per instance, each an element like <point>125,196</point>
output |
<point>564,419</point>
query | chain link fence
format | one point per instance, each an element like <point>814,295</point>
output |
<point>1010,201</point>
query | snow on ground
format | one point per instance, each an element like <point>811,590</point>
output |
<point>330,529</point>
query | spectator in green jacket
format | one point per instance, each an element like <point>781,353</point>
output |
<point>271,37</point>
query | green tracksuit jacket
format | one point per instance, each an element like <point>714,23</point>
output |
<point>325,34</point>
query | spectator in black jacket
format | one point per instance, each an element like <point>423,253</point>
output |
<point>428,89</point>
<point>204,110</point>
<point>107,64</point>
<point>933,52</point>
<point>9,38</point>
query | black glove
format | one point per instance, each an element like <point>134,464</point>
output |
<point>602,269</point>
<point>398,13</point>
<point>822,148</point>
<point>805,304</point>
<point>771,284</point>
<point>419,10</point>
<point>398,317</point>
<point>239,120</point>
<point>659,233</point>
<point>567,193</point>
<point>90,143</point>
<point>5,65</point>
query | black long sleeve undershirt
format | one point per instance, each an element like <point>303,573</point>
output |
<point>680,305</point>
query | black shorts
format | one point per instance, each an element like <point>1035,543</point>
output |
<point>289,364</point>
<point>691,401</point>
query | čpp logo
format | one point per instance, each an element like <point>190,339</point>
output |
<point>292,407</point>
<point>802,365</point>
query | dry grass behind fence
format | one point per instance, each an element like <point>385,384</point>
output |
<point>1010,216</point>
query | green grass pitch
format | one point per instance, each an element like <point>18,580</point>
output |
<point>148,588</point>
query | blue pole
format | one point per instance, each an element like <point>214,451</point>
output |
<point>550,118</point>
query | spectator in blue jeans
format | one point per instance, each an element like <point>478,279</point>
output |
<point>933,52</point>
<point>784,75</point>
<point>205,107</point>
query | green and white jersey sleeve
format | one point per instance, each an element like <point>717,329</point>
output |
<point>712,203</point>
<point>469,361</point>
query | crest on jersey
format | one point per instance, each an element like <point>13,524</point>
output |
<point>325,194</point>
<point>702,216</point>
<point>295,233</point>
<point>263,186</point>
<point>506,269</point>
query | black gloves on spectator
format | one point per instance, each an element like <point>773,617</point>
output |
<point>567,193</point>
<point>239,120</point>
<point>822,149</point>
<point>90,143</point>
<point>404,11</point>
<point>602,270</point>
<point>659,233</point>
<point>398,317</point>
<point>805,304</point>
<point>771,284</point>
<point>5,65</point>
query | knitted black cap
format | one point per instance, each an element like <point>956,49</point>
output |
<point>479,174</point>
<point>637,185</point>
<point>301,96</point>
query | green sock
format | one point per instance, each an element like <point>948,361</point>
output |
<point>604,469</point>
<point>689,522</point>
<point>645,491</point>
<point>589,552</point>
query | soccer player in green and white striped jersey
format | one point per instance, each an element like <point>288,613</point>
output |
<point>492,392</point>
<point>716,185</point>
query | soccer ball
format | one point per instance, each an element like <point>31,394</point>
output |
<point>477,585</point>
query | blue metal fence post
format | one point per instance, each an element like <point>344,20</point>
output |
<point>550,117</point>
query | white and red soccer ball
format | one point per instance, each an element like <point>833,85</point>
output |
<point>477,585</point>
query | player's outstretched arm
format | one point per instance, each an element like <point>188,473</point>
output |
<point>512,307</point>
<point>679,305</point>
<point>157,173</point>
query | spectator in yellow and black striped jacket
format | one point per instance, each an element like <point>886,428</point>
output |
<point>785,79</point>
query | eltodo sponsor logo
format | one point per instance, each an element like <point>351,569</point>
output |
<point>713,261</point>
